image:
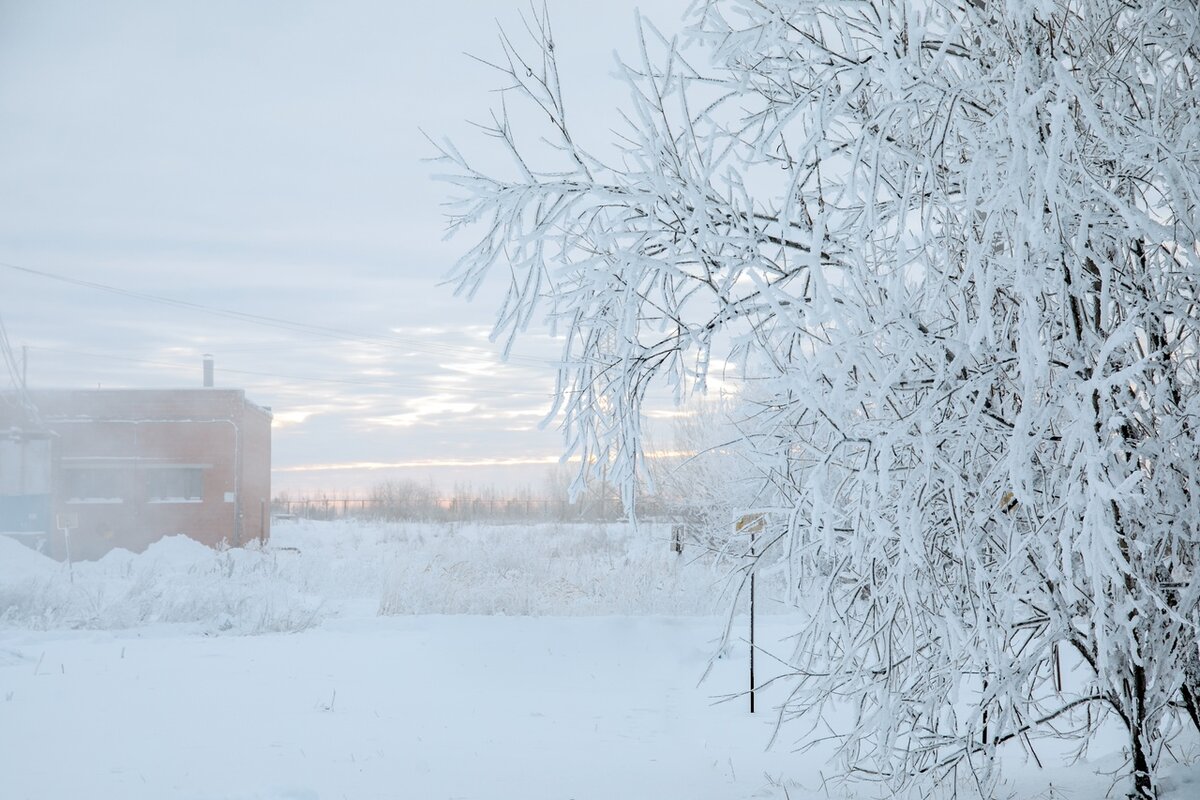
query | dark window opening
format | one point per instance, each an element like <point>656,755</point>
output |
<point>175,485</point>
<point>92,485</point>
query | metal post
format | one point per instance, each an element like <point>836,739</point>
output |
<point>753,564</point>
<point>752,524</point>
<point>983,735</point>
<point>70,567</point>
<point>64,523</point>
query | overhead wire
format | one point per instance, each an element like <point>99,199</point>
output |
<point>340,334</point>
<point>380,384</point>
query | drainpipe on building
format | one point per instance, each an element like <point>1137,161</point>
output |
<point>237,482</point>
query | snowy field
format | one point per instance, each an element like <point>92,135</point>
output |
<point>405,661</point>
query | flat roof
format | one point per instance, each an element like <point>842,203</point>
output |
<point>59,404</point>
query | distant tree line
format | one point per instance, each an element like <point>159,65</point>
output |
<point>411,500</point>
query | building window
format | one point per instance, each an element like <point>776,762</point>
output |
<point>175,485</point>
<point>92,485</point>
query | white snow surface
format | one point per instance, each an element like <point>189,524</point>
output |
<point>407,661</point>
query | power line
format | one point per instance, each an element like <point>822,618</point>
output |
<point>468,391</point>
<point>340,334</point>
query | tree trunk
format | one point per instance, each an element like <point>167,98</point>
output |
<point>1143,783</point>
<point>1191,702</point>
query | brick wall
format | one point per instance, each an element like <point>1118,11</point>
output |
<point>132,466</point>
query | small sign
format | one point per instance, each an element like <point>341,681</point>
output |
<point>754,522</point>
<point>66,520</point>
<point>230,497</point>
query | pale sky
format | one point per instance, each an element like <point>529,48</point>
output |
<point>267,158</point>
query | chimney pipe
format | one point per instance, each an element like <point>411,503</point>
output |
<point>208,371</point>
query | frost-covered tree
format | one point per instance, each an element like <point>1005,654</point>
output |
<point>954,247</point>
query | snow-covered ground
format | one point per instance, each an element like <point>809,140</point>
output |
<point>403,661</point>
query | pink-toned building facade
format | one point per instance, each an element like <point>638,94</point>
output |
<point>130,466</point>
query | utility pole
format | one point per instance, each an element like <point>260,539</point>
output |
<point>24,368</point>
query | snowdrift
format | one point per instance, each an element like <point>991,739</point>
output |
<point>313,570</point>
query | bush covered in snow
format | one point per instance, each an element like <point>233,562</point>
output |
<point>312,570</point>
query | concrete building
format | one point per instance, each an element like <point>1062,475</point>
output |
<point>126,467</point>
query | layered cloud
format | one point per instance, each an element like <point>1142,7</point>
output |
<point>262,165</point>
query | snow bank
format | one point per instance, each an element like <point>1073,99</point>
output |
<point>313,570</point>
<point>18,562</point>
<point>176,580</point>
